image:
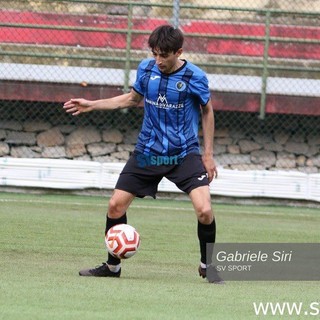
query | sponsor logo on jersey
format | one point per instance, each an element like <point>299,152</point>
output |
<point>162,103</point>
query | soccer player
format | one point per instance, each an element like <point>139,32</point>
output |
<point>175,94</point>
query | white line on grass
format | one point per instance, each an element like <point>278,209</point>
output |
<point>237,211</point>
<point>93,204</point>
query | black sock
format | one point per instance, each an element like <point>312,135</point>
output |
<point>206,234</point>
<point>109,224</point>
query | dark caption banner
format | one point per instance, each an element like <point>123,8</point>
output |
<point>264,261</point>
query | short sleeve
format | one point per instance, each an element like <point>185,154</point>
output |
<point>202,89</point>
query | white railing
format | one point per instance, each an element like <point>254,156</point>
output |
<point>116,77</point>
<point>71,174</point>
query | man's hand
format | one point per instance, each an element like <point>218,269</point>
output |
<point>210,166</point>
<point>77,106</point>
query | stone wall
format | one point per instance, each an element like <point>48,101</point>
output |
<point>278,151</point>
<point>235,148</point>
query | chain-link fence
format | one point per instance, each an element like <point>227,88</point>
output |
<point>262,58</point>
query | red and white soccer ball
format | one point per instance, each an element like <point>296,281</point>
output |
<point>122,241</point>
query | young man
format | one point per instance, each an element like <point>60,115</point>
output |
<point>175,93</point>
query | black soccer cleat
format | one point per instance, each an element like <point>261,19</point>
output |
<point>202,272</point>
<point>213,278</point>
<point>99,271</point>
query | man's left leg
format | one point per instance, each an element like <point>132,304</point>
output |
<point>201,201</point>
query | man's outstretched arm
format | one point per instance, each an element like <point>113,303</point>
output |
<point>79,105</point>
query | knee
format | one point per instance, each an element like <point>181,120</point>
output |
<point>205,214</point>
<point>115,210</point>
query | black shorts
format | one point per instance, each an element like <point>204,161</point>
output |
<point>141,178</point>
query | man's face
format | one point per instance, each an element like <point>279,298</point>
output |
<point>166,61</point>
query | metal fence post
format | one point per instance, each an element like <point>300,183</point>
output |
<point>176,13</point>
<point>265,67</point>
<point>128,49</point>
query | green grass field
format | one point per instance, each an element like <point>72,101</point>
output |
<point>46,239</point>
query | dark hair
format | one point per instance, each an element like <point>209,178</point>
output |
<point>166,38</point>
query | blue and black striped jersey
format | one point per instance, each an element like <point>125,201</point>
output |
<point>171,108</point>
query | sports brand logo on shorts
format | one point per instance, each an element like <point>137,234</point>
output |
<point>181,86</point>
<point>203,176</point>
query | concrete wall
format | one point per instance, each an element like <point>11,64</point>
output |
<point>286,5</point>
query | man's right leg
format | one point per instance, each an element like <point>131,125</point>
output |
<point>118,205</point>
